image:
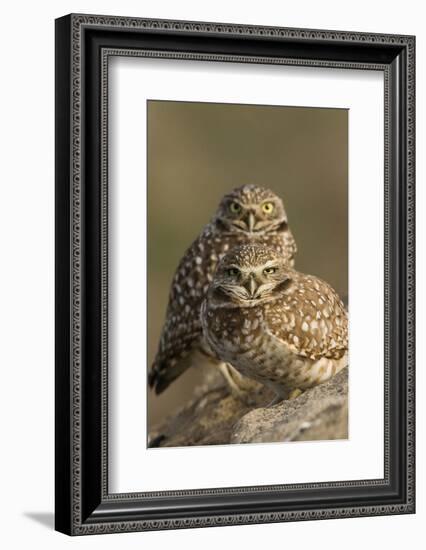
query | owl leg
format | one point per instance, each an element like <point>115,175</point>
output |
<point>277,399</point>
<point>235,389</point>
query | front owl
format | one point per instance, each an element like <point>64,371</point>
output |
<point>273,324</point>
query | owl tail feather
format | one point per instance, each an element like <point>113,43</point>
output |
<point>162,374</point>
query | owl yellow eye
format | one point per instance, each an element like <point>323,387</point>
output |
<point>232,272</point>
<point>269,270</point>
<point>268,207</point>
<point>234,207</point>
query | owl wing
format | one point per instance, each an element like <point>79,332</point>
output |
<point>182,333</point>
<point>312,322</point>
<point>289,246</point>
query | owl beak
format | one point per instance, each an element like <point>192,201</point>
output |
<point>251,220</point>
<point>251,286</point>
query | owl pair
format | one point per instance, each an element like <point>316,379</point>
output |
<point>237,300</point>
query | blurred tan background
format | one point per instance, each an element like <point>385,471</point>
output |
<point>197,152</point>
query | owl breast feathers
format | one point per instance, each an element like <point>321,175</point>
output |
<point>249,214</point>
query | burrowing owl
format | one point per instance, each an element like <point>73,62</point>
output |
<point>246,214</point>
<point>273,324</point>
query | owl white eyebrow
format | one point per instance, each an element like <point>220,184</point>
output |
<point>254,204</point>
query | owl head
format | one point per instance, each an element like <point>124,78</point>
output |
<point>251,274</point>
<point>251,209</point>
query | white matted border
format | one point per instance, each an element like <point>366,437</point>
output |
<point>132,467</point>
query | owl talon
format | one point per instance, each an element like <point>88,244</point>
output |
<point>244,397</point>
<point>294,394</point>
<point>279,398</point>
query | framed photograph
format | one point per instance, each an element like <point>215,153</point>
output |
<point>234,274</point>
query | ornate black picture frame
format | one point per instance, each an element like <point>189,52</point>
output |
<point>83,45</point>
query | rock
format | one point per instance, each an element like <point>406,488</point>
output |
<point>207,419</point>
<point>319,413</point>
<point>216,417</point>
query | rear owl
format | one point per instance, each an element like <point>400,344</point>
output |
<point>248,214</point>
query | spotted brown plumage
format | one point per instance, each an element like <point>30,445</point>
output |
<point>247,214</point>
<point>274,324</point>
